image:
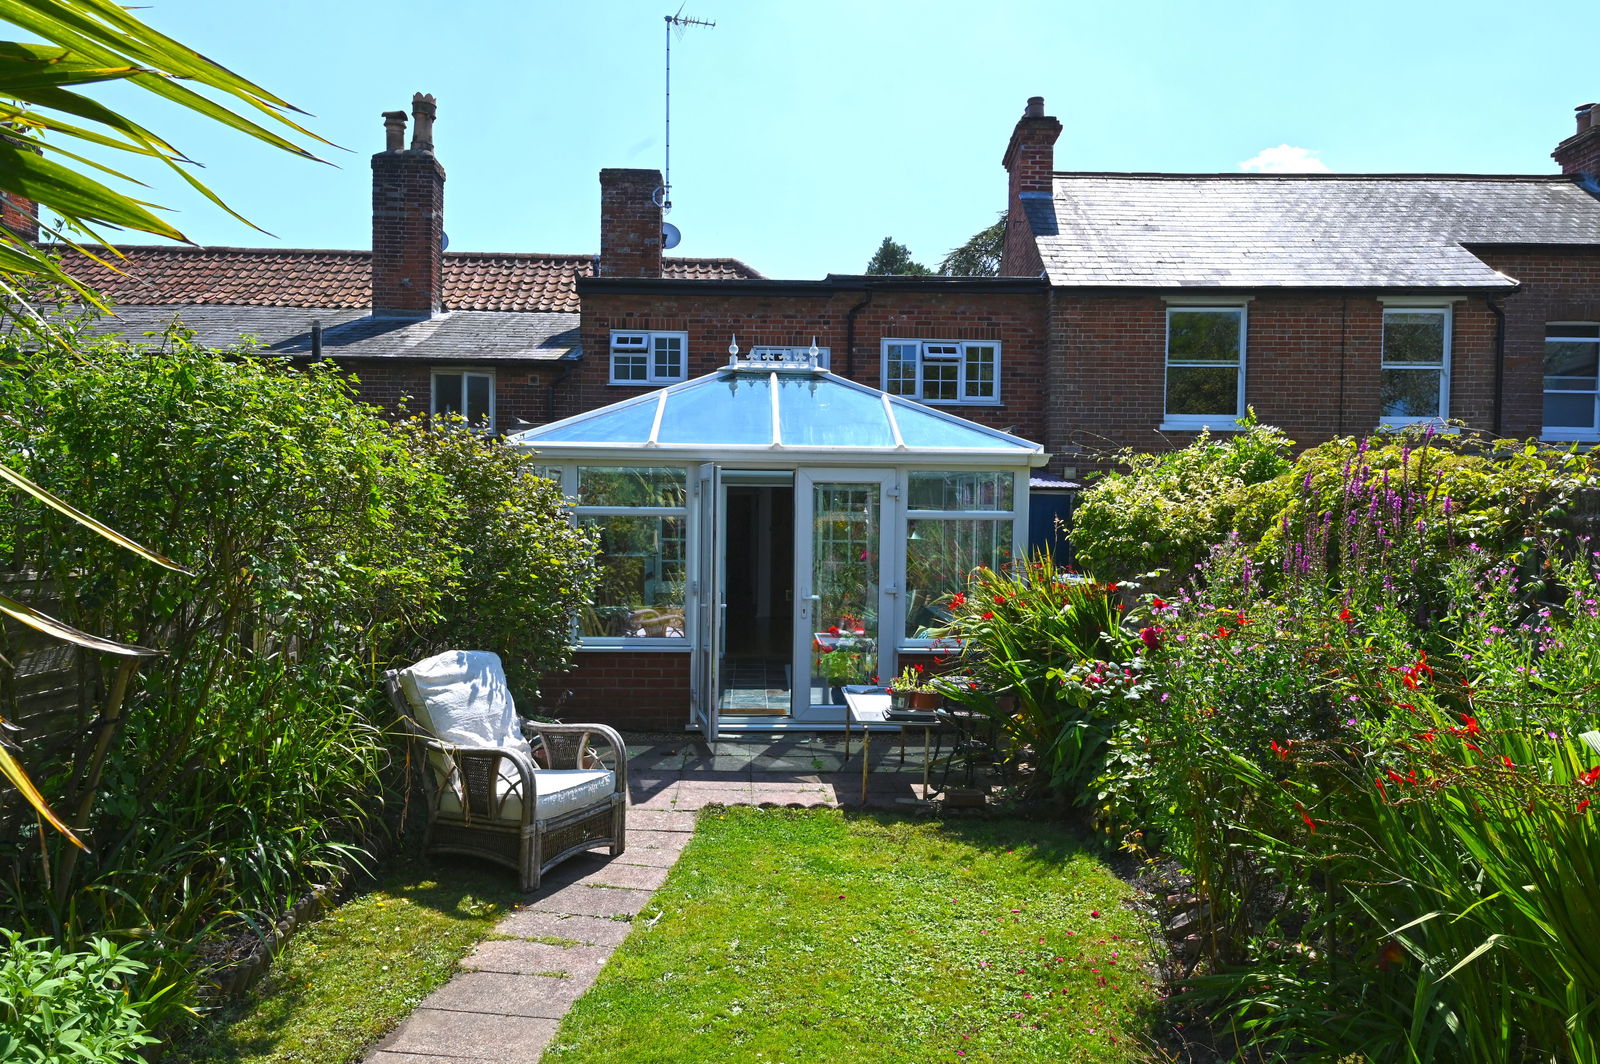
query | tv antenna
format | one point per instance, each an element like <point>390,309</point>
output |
<point>679,24</point>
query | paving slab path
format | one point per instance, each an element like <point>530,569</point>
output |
<point>507,1001</point>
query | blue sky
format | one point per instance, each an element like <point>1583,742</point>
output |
<point>804,132</point>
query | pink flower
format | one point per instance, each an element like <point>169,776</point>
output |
<point>1151,636</point>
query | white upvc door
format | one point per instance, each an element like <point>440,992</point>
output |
<point>707,591</point>
<point>848,558</point>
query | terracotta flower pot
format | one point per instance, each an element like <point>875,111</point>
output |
<point>926,700</point>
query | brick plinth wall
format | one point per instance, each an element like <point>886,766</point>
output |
<point>638,690</point>
<point>630,223</point>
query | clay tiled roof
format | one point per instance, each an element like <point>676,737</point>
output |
<point>264,277</point>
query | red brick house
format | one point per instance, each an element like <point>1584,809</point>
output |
<point>750,571</point>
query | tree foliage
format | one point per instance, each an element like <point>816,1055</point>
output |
<point>48,123</point>
<point>980,255</point>
<point>894,259</point>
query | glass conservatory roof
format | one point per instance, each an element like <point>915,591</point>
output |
<point>756,407</point>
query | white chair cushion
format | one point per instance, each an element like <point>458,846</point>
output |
<point>461,696</point>
<point>560,791</point>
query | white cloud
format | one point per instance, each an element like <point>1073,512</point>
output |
<point>1285,160</point>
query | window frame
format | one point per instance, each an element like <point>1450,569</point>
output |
<point>1447,311</point>
<point>958,356</point>
<point>464,372</point>
<point>1220,421</point>
<point>650,337</point>
<point>1573,433</point>
<point>1015,516</point>
<point>567,474</point>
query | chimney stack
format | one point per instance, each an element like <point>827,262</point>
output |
<point>20,214</point>
<point>1030,160</point>
<point>1580,153</point>
<point>630,223</point>
<point>408,217</point>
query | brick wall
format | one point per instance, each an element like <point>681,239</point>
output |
<point>792,317</point>
<point>642,690</point>
<point>1556,285</point>
<point>1312,367</point>
<point>1580,153</point>
<point>1029,161</point>
<point>521,390</point>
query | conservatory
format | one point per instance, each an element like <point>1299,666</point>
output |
<point>787,530</point>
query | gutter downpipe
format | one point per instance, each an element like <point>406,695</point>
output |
<point>850,334</point>
<point>1499,362</point>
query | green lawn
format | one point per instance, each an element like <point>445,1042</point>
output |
<point>818,935</point>
<point>348,979</point>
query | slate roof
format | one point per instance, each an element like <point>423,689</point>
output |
<point>1299,230</point>
<point>476,336</point>
<point>269,277</point>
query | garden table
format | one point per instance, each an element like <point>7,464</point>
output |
<point>867,706</point>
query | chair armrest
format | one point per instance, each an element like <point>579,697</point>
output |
<point>464,758</point>
<point>565,745</point>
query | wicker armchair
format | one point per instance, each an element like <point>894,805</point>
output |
<point>491,793</point>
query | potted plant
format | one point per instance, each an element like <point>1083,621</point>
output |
<point>910,690</point>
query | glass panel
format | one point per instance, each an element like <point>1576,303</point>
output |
<point>630,486</point>
<point>961,491</point>
<point>1413,336</point>
<point>1203,336</point>
<point>641,588</point>
<point>548,472</point>
<point>625,424</point>
<point>1569,384</point>
<point>924,428</point>
<point>1569,411</point>
<point>939,380</point>
<point>1202,390</point>
<point>669,357</point>
<point>447,393</point>
<point>1411,393</point>
<point>982,359</point>
<point>735,409</point>
<point>939,555</point>
<point>901,369</point>
<point>844,576</point>
<point>1570,359</point>
<point>819,413</point>
<point>478,398</point>
<point>629,367</point>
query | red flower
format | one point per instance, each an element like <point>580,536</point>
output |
<point>1390,955</point>
<point>988,615</point>
<point>1157,604</point>
<point>999,600</point>
<point>959,599</point>
<point>1470,725</point>
<point>1381,788</point>
<point>1312,824</point>
<point>1344,615</point>
<point>1223,633</point>
<point>1282,751</point>
<point>1583,805</point>
<point>1590,778</point>
<point>1151,637</point>
<point>833,629</point>
<point>1506,761</point>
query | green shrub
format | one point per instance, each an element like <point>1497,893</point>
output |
<point>1166,510</point>
<point>250,762</point>
<point>58,1006</point>
<point>1046,653</point>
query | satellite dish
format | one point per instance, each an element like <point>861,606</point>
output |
<point>444,243</point>
<point>670,237</point>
